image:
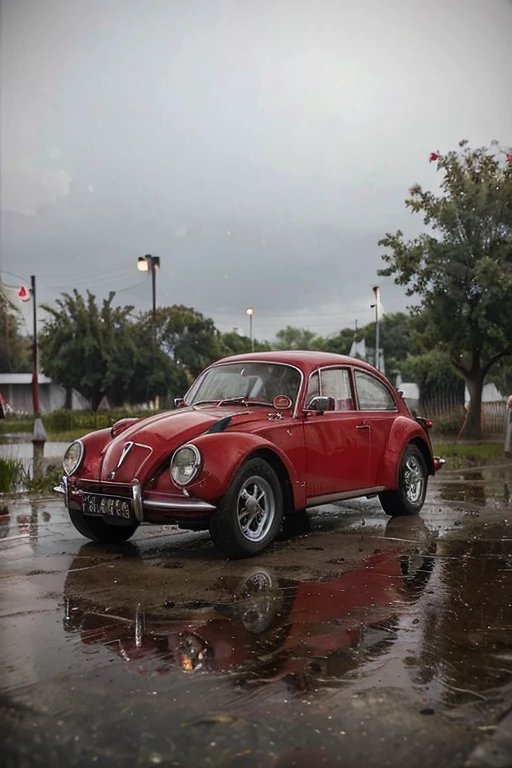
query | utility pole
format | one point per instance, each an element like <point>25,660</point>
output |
<point>40,437</point>
<point>376,291</point>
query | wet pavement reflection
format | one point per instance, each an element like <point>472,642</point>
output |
<point>356,639</point>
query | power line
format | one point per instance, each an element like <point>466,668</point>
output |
<point>287,314</point>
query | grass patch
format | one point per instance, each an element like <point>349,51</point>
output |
<point>464,455</point>
<point>11,475</point>
<point>51,478</point>
<point>64,425</point>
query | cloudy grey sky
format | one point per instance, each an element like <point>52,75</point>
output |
<point>259,148</point>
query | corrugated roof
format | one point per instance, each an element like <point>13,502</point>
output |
<point>22,378</point>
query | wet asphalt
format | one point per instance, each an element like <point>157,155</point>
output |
<point>355,641</point>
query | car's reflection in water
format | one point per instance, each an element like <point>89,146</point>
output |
<point>260,626</point>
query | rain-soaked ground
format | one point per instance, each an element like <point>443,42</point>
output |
<point>356,641</point>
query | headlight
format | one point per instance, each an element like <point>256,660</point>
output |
<point>185,464</point>
<point>73,457</point>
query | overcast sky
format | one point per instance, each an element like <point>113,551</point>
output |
<point>261,149</point>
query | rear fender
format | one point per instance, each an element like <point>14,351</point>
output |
<point>403,432</point>
<point>223,454</point>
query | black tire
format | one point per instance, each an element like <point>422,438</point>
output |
<point>409,497</point>
<point>234,526</point>
<point>96,529</point>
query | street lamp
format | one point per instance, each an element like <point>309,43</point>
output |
<point>250,311</point>
<point>376,291</point>
<point>150,264</point>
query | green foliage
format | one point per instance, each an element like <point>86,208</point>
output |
<point>86,421</point>
<point>232,343</point>
<point>14,348</point>
<point>84,346</point>
<point>448,422</point>
<point>435,377</point>
<point>461,266</point>
<point>466,455</point>
<point>46,484</point>
<point>295,338</point>
<point>102,351</point>
<point>338,343</point>
<point>11,473</point>
<point>189,338</point>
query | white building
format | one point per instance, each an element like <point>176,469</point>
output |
<point>16,388</point>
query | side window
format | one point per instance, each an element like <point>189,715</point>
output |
<point>373,395</point>
<point>313,388</point>
<point>336,383</point>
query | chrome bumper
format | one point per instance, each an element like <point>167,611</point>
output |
<point>438,463</point>
<point>140,504</point>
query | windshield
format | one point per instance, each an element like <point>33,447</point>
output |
<point>249,381</point>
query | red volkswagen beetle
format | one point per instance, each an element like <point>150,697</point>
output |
<point>256,437</point>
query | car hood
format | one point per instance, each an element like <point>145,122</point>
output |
<point>141,448</point>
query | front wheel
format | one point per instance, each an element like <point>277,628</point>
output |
<point>249,516</point>
<point>409,497</point>
<point>96,529</point>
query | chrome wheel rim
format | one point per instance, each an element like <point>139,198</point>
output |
<point>258,601</point>
<point>256,508</point>
<point>414,480</point>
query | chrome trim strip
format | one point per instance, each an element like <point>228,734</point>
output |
<point>188,505</point>
<point>80,459</point>
<point>138,509</point>
<point>314,501</point>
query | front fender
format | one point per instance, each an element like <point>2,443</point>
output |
<point>222,455</point>
<point>403,431</point>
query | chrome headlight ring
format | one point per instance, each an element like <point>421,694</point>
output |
<point>185,464</point>
<point>73,457</point>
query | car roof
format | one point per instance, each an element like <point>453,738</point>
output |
<point>306,360</point>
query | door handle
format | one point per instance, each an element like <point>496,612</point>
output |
<point>363,426</point>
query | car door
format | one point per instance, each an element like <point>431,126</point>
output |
<point>337,442</point>
<point>378,406</point>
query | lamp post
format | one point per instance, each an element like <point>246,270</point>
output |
<point>250,312</point>
<point>150,264</point>
<point>376,291</point>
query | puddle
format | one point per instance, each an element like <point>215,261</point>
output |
<point>438,615</point>
<point>383,640</point>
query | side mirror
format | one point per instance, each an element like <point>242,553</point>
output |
<point>321,404</point>
<point>178,402</point>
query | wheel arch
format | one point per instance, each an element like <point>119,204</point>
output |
<point>224,454</point>
<point>426,452</point>
<point>404,433</point>
<point>279,467</point>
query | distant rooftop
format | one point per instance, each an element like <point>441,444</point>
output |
<point>22,378</point>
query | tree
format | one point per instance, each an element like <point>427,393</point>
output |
<point>441,387</point>
<point>461,267</point>
<point>153,372</point>
<point>339,343</point>
<point>88,348</point>
<point>232,343</point>
<point>295,338</point>
<point>188,337</point>
<point>14,348</point>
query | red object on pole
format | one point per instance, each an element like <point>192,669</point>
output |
<point>24,294</point>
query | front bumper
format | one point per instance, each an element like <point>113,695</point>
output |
<point>145,509</point>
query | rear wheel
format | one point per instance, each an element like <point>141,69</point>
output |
<point>409,497</point>
<point>96,529</point>
<point>249,516</point>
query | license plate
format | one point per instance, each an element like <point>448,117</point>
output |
<point>107,506</point>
